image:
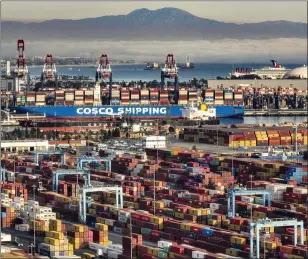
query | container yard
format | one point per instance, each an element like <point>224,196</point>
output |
<point>246,137</point>
<point>173,202</point>
<point>150,183</point>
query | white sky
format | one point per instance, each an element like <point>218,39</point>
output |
<point>227,11</point>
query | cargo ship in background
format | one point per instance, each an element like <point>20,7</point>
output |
<point>188,64</point>
<point>276,71</point>
<point>151,66</point>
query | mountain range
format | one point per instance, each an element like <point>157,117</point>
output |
<point>166,24</point>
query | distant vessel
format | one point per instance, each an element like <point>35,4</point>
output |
<point>188,65</point>
<point>276,71</point>
<point>151,66</point>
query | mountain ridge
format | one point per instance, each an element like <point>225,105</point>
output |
<point>144,24</point>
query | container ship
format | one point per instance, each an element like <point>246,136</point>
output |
<point>124,102</point>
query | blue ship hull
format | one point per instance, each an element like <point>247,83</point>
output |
<point>128,110</point>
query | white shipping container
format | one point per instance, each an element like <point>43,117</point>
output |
<point>300,190</point>
<point>198,254</point>
<point>163,244</point>
<point>22,227</point>
<point>109,222</point>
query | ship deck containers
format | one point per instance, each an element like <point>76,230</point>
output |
<point>228,96</point>
<point>134,96</point>
<point>219,97</point>
<point>192,96</point>
<point>69,98</point>
<point>164,97</point>
<point>144,97</point>
<point>40,99</point>
<point>59,98</point>
<point>125,96</point>
<point>209,97</point>
<point>154,96</point>
<point>88,97</point>
<point>79,97</point>
<point>30,101</point>
<point>183,97</point>
<point>115,96</point>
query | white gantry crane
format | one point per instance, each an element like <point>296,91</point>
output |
<point>87,159</point>
<point>57,173</point>
<point>56,152</point>
<point>239,192</point>
<point>83,198</point>
<point>255,228</point>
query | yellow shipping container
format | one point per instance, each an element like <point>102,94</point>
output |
<point>179,215</point>
<point>269,244</point>
<point>102,227</point>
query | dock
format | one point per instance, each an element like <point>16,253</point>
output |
<point>275,112</point>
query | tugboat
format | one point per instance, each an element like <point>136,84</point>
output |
<point>188,65</point>
<point>151,66</point>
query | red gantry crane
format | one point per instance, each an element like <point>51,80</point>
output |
<point>49,72</point>
<point>169,71</point>
<point>21,69</point>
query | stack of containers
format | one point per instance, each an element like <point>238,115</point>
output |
<point>79,97</point>
<point>273,138</point>
<point>55,244</point>
<point>154,96</point>
<point>20,100</point>
<point>305,136</point>
<point>295,173</point>
<point>250,139</point>
<point>163,99</point>
<point>219,97</point>
<point>100,234</point>
<point>130,247</point>
<point>134,96</point>
<point>209,97</point>
<point>59,97</point>
<point>262,138</point>
<point>144,97</point>
<point>296,195</point>
<point>228,97</point>
<point>89,97</point>
<point>69,98</point>
<point>30,99</point>
<point>124,96</point>
<point>115,97</point>
<point>192,96</point>
<point>8,215</point>
<point>40,99</point>
<point>285,137</point>
<point>182,97</point>
<point>238,97</point>
<point>78,236</point>
<point>297,138</point>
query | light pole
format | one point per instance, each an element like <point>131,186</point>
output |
<point>33,207</point>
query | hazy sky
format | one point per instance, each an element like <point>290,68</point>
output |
<point>229,11</point>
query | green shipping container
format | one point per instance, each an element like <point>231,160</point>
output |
<point>162,254</point>
<point>146,231</point>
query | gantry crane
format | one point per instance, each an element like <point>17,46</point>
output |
<point>170,71</point>
<point>267,223</point>
<point>49,72</point>
<point>103,73</point>
<point>57,173</point>
<point>56,152</point>
<point>83,199</point>
<point>21,69</point>
<point>93,159</point>
<point>235,192</point>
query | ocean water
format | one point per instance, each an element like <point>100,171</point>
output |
<point>135,72</point>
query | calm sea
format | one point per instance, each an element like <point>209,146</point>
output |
<point>136,72</point>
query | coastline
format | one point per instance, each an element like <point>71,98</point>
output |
<point>86,65</point>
